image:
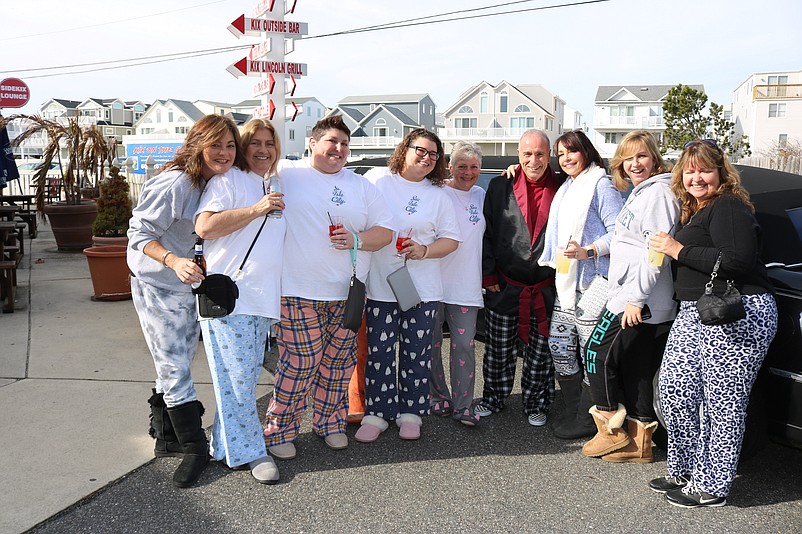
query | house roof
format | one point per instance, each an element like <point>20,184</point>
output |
<point>189,109</point>
<point>354,113</point>
<point>383,99</point>
<point>238,118</point>
<point>644,93</point>
<point>70,104</point>
<point>398,114</point>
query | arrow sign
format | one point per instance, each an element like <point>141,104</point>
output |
<point>260,50</point>
<point>243,25</point>
<point>246,67</point>
<point>264,86</point>
<point>265,112</point>
<point>293,85</point>
<point>292,9</point>
<point>262,7</point>
<point>294,110</point>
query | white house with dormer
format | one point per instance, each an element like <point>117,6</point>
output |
<point>310,110</point>
<point>495,116</point>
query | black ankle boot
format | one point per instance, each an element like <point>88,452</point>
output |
<point>161,428</point>
<point>581,425</point>
<point>186,420</point>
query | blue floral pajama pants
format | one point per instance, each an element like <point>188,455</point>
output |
<point>235,348</point>
<point>391,390</point>
<point>169,321</point>
<point>712,367</point>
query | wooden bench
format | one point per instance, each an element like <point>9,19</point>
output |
<point>9,260</point>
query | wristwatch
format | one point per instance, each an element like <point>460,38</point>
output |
<point>591,252</point>
<point>358,241</point>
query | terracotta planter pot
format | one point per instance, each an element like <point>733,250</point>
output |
<point>101,241</point>
<point>111,278</point>
<point>72,224</point>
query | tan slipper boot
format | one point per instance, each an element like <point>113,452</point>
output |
<point>610,436</point>
<point>639,449</point>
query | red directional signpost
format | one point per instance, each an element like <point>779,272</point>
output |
<point>14,93</point>
<point>267,59</point>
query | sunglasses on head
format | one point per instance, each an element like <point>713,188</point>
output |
<point>709,142</point>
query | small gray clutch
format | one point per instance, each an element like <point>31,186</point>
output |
<point>404,290</point>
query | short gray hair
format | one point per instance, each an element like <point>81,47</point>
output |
<point>534,131</point>
<point>465,149</point>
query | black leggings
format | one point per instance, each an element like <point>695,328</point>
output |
<point>622,363</point>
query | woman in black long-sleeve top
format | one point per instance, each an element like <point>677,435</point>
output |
<point>711,366</point>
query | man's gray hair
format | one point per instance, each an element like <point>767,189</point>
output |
<point>541,133</point>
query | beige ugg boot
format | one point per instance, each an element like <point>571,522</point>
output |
<point>610,436</point>
<point>639,449</point>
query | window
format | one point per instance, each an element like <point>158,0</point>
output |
<point>147,130</point>
<point>380,131</point>
<point>319,113</point>
<point>549,124</point>
<point>777,110</point>
<point>611,138</point>
<point>181,118</point>
<point>465,109</point>
<point>778,80</point>
<point>502,102</point>
<point>483,103</point>
<point>170,116</point>
<point>780,90</point>
<point>117,105</point>
<point>522,122</point>
<point>783,140</point>
<point>467,122</point>
<point>180,129</point>
<point>108,131</point>
<point>127,132</point>
<point>381,122</point>
<point>291,134</point>
<point>521,108</point>
<point>158,115</point>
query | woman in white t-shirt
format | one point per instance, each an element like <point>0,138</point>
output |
<point>462,290</point>
<point>426,230</point>
<point>233,214</point>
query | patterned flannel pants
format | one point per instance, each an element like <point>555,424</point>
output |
<point>462,369</point>
<point>235,348</point>
<point>712,367</point>
<point>391,390</point>
<point>169,322</point>
<point>498,369</point>
<point>317,357</point>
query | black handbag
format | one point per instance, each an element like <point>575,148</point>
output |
<point>355,303</point>
<point>715,310</point>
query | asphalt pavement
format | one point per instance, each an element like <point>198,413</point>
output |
<point>74,379</point>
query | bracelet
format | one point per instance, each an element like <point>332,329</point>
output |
<point>358,241</point>
<point>164,257</point>
<point>426,253</point>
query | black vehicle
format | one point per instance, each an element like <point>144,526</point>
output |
<point>776,403</point>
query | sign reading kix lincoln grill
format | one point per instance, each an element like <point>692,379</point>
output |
<point>14,93</point>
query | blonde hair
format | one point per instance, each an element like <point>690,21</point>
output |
<point>249,130</point>
<point>628,147</point>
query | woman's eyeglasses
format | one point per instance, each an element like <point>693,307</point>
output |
<point>422,153</point>
<point>709,142</point>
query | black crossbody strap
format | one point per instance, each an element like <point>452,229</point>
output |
<point>241,265</point>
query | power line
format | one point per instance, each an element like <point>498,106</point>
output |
<point>162,58</point>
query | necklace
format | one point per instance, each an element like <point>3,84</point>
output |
<point>463,204</point>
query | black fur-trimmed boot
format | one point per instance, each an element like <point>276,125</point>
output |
<point>161,428</point>
<point>186,419</point>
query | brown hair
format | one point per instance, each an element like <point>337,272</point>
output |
<point>577,141</point>
<point>708,156</point>
<point>249,130</point>
<point>207,131</point>
<point>332,122</point>
<point>627,148</point>
<point>397,161</point>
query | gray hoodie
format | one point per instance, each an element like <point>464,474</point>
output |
<point>650,208</point>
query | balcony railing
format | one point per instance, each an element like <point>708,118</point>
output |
<point>374,142</point>
<point>761,92</point>
<point>628,122</point>
<point>501,134</point>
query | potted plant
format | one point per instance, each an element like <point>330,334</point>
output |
<point>86,150</point>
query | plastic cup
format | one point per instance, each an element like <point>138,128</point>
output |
<point>656,258</point>
<point>336,224</point>
<point>562,262</point>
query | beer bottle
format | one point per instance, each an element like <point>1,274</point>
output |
<point>198,259</point>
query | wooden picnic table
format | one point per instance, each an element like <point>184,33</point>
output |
<point>8,264</point>
<point>26,210</point>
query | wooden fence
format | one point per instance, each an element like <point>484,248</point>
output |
<point>788,164</point>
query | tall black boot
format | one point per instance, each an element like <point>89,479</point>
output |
<point>161,428</point>
<point>186,420</point>
<point>570,386</point>
<point>582,425</point>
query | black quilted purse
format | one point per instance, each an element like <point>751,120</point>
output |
<point>715,310</point>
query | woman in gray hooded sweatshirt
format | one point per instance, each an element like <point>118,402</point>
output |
<point>623,353</point>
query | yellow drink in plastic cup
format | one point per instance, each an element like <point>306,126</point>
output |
<point>656,258</point>
<point>562,262</point>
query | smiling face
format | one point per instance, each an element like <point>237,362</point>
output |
<point>260,154</point>
<point>700,182</point>
<point>533,155</point>
<point>416,167</point>
<point>329,153</point>
<point>219,156</point>
<point>571,161</point>
<point>464,171</point>
<point>639,165</point>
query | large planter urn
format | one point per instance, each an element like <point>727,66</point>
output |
<point>103,241</point>
<point>72,224</point>
<point>108,268</point>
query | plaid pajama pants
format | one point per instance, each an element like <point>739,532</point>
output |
<point>498,368</point>
<point>316,357</point>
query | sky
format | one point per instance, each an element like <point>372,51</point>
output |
<point>571,50</point>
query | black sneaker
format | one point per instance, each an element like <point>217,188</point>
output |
<point>664,484</point>
<point>690,497</point>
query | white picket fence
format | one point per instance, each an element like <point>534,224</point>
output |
<point>787,164</point>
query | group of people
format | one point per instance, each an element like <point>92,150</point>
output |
<point>579,270</point>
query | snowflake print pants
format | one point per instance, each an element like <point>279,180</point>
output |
<point>462,369</point>
<point>392,389</point>
<point>235,348</point>
<point>712,367</point>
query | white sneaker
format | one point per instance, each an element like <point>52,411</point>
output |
<point>264,470</point>
<point>537,419</point>
<point>482,411</point>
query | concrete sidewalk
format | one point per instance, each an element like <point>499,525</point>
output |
<point>75,376</point>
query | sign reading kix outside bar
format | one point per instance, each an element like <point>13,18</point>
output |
<point>14,93</point>
<point>243,25</point>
